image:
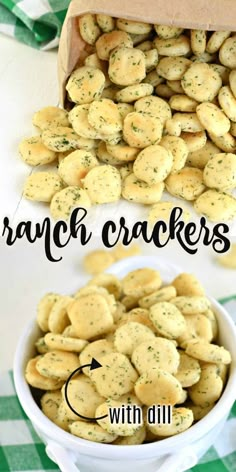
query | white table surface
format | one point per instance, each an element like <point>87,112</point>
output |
<point>28,81</point>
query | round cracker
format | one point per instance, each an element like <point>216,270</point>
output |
<point>127,66</point>
<point>62,139</point>
<point>44,307</point>
<point>58,317</point>
<point>226,143</point>
<point>187,183</point>
<point>216,40</point>
<point>220,171</point>
<point>179,46</point>
<point>189,370</point>
<point>206,352</point>
<point>200,157</point>
<point>116,376</point>
<point>158,387</point>
<point>164,294</point>
<point>105,156</point>
<point>42,186</point>
<point>134,92</point>
<point>151,61</point>
<point>191,304</point>
<point>167,32</point>
<point>109,41</point>
<point>155,106</point>
<point>50,116</point>
<point>213,119</point>
<point>91,316</point>
<point>50,402</point>
<point>188,284</point>
<point>194,141</point>
<point>68,199</point>
<point>227,102</point>
<point>78,117</point>
<point>198,41</point>
<point>208,389</point>
<point>153,164</point>
<point>103,184</point>
<point>85,84</point>
<point>64,343</point>
<point>91,432</point>
<point>136,190</point>
<point>173,68</point>
<point>137,438</point>
<point>158,352</point>
<point>167,319</point>
<point>104,116</point>
<point>201,82</point>
<point>121,152</point>
<point>182,419</point>
<point>216,206</point>
<point>227,53</point>
<point>41,346</point>
<point>106,23</point>
<point>36,380</point>
<point>88,28</point>
<point>75,167</point>
<point>134,27</point>
<point>141,282</point>
<point>34,152</point>
<point>197,326</point>
<point>57,365</point>
<point>181,102</point>
<point>129,335</point>
<point>142,129</point>
<point>178,149</point>
<point>97,261</point>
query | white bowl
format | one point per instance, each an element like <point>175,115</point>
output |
<point>173,454</point>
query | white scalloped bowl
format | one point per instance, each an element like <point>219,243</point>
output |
<point>174,454</point>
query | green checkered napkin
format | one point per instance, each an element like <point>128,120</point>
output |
<point>21,450</point>
<point>34,22</point>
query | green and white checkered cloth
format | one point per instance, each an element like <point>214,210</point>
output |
<point>34,22</point>
<point>21,450</point>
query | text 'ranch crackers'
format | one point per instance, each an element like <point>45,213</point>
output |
<point>151,108</point>
<point>157,345</point>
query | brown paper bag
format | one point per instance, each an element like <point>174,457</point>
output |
<point>195,14</point>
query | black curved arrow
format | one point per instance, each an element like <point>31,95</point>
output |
<point>94,365</point>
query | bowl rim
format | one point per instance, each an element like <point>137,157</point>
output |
<point>149,450</point>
